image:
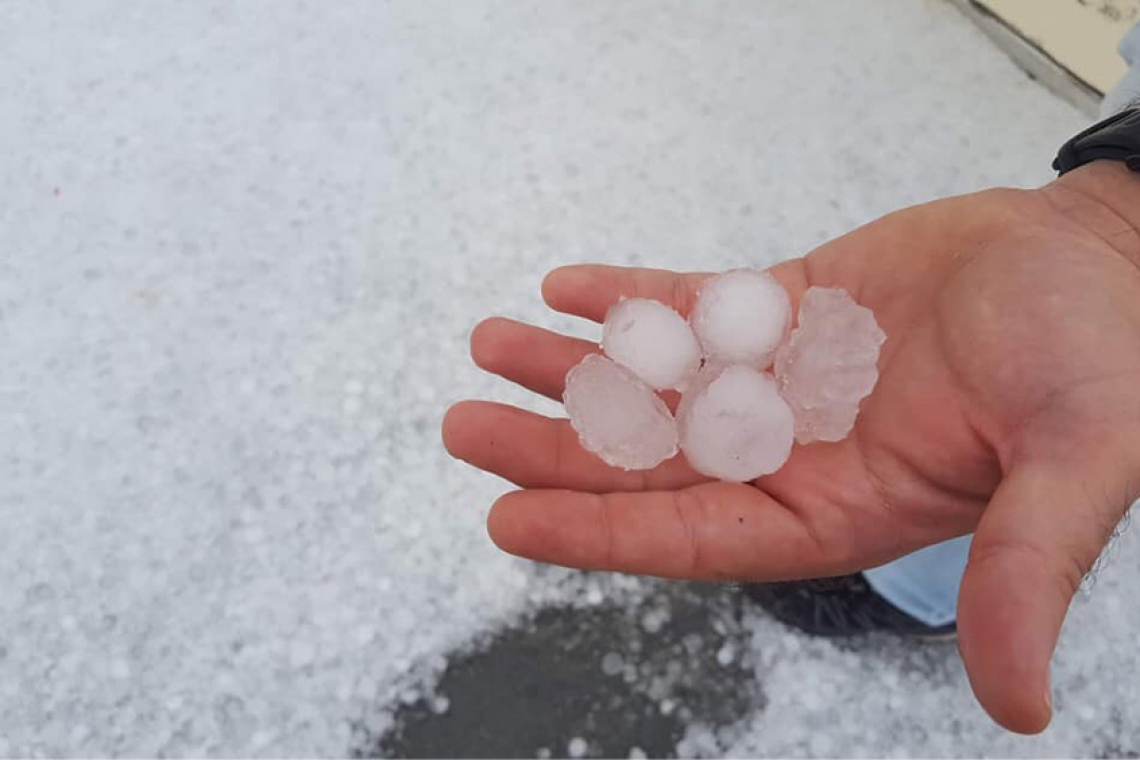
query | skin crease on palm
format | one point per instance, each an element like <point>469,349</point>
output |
<point>1007,406</point>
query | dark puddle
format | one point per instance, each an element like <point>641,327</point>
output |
<point>608,678</point>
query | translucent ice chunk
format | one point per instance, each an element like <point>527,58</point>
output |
<point>577,747</point>
<point>741,316</point>
<point>734,425</point>
<point>829,364</point>
<point>617,416</point>
<point>652,341</point>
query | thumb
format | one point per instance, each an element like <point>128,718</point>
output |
<point>1040,534</point>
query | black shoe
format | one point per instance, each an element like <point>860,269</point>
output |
<point>842,606</point>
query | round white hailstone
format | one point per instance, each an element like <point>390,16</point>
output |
<point>617,416</point>
<point>577,747</point>
<point>612,664</point>
<point>741,317</point>
<point>652,341</point>
<point>734,426</point>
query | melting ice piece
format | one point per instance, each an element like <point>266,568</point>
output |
<point>741,316</point>
<point>734,425</point>
<point>829,364</point>
<point>617,416</point>
<point>652,341</point>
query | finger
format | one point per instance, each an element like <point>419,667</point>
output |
<point>530,356</point>
<point>1038,537</point>
<point>588,290</point>
<point>711,531</point>
<point>533,451</point>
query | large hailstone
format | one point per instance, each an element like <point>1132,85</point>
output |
<point>617,416</point>
<point>652,341</point>
<point>829,364</point>
<point>740,317</point>
<point>733,424</point>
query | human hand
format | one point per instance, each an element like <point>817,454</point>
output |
<point>1007,406</point>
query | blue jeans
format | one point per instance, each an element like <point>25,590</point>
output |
<point>1127,90</point>
<point>925,584</point>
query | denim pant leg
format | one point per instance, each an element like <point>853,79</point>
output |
<point>1127,91</point>
<point>924,584</point>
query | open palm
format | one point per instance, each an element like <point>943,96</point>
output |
<point>1007,406</point>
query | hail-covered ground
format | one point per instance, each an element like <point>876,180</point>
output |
<point>241,249</point>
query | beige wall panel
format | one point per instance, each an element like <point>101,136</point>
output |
<point>1080,34</point>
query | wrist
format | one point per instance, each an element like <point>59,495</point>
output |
<point>1103,197</point>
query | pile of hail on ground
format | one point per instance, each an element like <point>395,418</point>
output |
<point>750,384</point>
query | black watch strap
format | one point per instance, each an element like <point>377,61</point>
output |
<point>1117,138</point>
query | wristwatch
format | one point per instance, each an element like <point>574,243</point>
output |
<point>1116,138</point>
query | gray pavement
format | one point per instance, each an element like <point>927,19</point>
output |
<point>616,678</point>
<point>242,246</point>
